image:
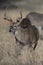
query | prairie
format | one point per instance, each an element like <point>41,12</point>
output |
<point>10,53</point>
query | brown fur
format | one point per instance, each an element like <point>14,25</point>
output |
<point>28,34</point>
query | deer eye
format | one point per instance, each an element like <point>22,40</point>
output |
<point>17,20</point>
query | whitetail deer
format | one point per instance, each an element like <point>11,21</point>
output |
<point>37,20</point>
<point>26,33</point>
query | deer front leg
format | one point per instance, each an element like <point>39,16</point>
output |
<point>35,46</point>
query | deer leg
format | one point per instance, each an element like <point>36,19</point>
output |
<point>35,46</point>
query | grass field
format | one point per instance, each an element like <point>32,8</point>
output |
<point>10,53</point>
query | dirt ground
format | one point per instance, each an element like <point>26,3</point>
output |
<point>10,53</point>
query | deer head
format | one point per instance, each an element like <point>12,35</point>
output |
<point>12,23</point>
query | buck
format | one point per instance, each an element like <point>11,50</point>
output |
<point>25,33</point>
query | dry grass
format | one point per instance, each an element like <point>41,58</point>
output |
<point>10,53</point>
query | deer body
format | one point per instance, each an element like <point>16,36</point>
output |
<point>28,36</point>
<point>25,33</point>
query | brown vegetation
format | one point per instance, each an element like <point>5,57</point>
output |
<point>10,53</point>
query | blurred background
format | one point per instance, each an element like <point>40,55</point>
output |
<point>10,52</point>
<point>23,4</point>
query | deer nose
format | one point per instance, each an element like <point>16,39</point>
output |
<point>11,27</point>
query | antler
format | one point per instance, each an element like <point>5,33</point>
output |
<point>18,19</point>
<point>21,15</point>
<point>9,19</point>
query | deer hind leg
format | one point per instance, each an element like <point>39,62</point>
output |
<point>35,46</point>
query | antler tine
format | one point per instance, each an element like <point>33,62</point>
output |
<point>8,18</point>
<point>21,13</point>
<point>5,15</point>
<point>19,18</point>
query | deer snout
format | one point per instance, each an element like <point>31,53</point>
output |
<point>10,29</point>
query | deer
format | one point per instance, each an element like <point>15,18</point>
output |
<point>37,20</point>
<point>25,33</point>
